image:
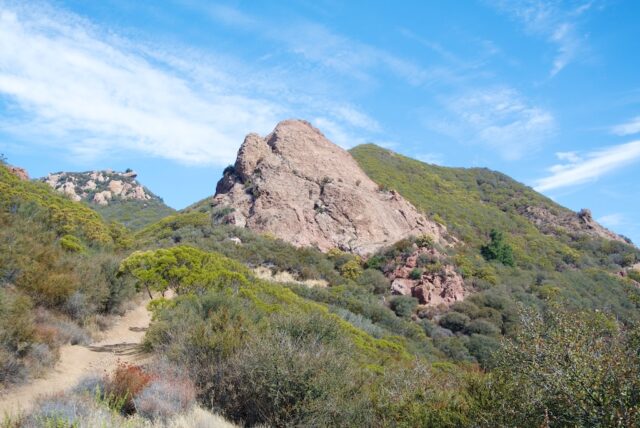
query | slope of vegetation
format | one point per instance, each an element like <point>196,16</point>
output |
<point>135,214</point>
<point>58,275</point>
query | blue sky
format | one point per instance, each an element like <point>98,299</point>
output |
<point>545,91</point>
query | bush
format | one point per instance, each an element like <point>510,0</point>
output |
<point>351,270</point>
<point>166,395</point>
<point>374,280</point>
<point>72,244</point>
<point>415,274</point>
<point>123,386</point>
<point>481,326</point>
<point>403,306</point>
<point>454,321</point>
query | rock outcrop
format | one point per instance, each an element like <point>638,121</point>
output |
<point>566,221</point>
<point>426,275</point>
<point>99,187</point>
<point>300,187</point>
<point>21,173</point>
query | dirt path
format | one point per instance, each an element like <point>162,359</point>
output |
<point>120,343</point>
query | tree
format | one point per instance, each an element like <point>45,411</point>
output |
<point>3,159</point>
<point>498,249</point>
<point>184,269</point>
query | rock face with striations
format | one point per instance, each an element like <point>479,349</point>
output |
<point>300,187</point>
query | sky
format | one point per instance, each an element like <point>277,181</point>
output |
<point>547,92</point>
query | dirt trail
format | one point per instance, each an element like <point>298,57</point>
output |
<point>120,343</point>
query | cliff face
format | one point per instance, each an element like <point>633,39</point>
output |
<point>300,187</point>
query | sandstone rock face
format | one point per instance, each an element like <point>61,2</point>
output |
<point>21,173</point>
<point>580,223</point>
<point>426,275</point>
<point>98,187</point>
<point>300,187</point>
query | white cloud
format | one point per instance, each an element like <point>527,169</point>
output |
<point>498,117</point>
<point>612,220</point>
<point>590,167</point>
<point>559,26</point>
<point>337,133</point>
<point>83,90</point>
<point>628,128</point>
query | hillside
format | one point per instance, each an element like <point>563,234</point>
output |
<point>58,266</point>
<point>425,331</point>
<point>117,196</point>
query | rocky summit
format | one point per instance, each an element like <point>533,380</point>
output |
<point>98,187</point>
<point>297,185</point>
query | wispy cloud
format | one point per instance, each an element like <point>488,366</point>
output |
<point>628,128</point>
<point>499,117</point>
<point>612,220</point>
<point>557,24</point>
<point>86,91</point>
<point>590,167</point>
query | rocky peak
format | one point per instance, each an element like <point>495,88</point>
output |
<point>99,187</point>
<point>297,185</point>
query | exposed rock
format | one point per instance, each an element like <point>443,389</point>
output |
<point>116,187</point>
<point>99,187</point>
<point>300,187</point>
<point>235,240</point>
<point>102,198</point>
<point>565,221</point>
<point>437,283</point>
<point>21,173</point>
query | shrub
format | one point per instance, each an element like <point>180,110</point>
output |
<point>454,321</point>
<point>165,396</point>
<point>72,244</point>
<point>566,368</point>
<point>403,306</point>
<point>351,270</point>
<point>374,280</point>
<point>123,385</point>
<point>415,274</point>
<point>481,326</point>
<point>635,275</point>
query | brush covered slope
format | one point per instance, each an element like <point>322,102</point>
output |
<point>58,275</point>
<point>117,196</point>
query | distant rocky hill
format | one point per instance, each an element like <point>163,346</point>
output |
<point>116,195</point>
<point>297,185</point>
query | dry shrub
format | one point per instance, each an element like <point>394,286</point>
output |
<point>123,386</point>
<point>167,394</point>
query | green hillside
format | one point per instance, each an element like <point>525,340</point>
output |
<point>58,275</point>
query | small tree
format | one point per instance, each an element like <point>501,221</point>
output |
<point>498,249</point>
<point>3,159</point>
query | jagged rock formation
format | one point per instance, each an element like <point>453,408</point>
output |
<point>566,221</point>
<point>21,173</point>
<point>426,276</point>
<point>99,187</point>
<point>300,187</point>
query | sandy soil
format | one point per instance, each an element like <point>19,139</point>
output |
<point>120,343</point>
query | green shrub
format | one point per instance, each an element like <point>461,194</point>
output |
<point>415,274</point>
<point>403,306</point>
<point>72,244</point>
<point>481,326</point>
<point>498,249</point>
<point>454,321</point>
<point>374,280</point>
